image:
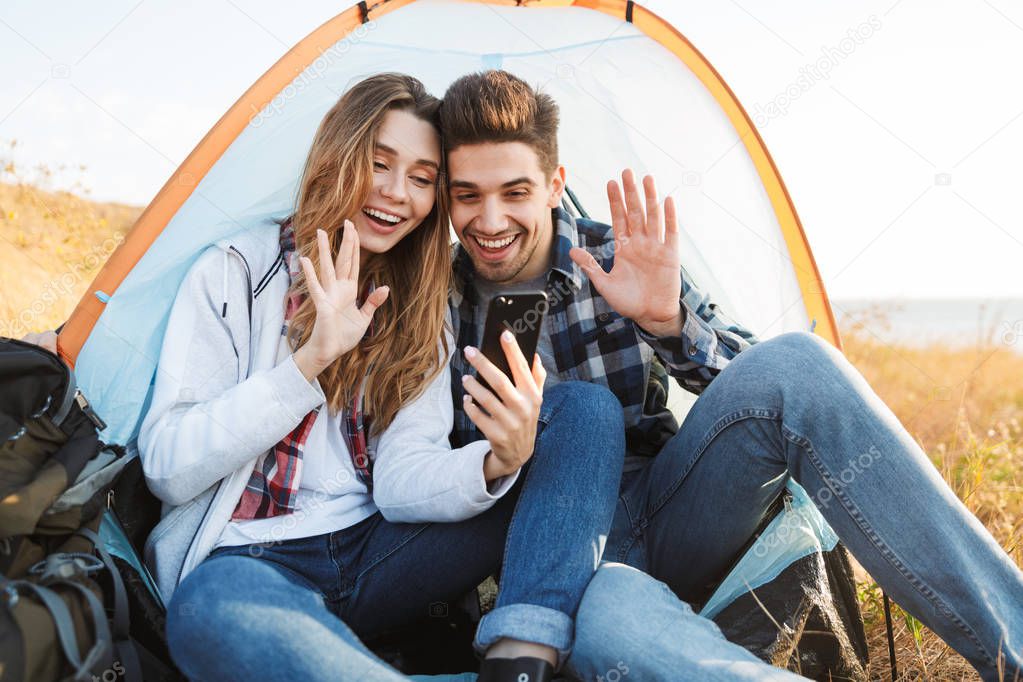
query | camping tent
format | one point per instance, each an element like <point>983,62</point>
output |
<point>632,90</point>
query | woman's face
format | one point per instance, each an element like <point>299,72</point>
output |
<point>406,163</point>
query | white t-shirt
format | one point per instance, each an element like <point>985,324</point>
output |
<point>330,496</point>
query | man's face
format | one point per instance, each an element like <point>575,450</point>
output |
<point>501,205</point>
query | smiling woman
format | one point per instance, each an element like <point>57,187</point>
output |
<point>406,167</point>
<point>243,174</point>
<point>299,431</point>
<point>379,150</point>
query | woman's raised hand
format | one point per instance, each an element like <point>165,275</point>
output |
<point>340,323</point>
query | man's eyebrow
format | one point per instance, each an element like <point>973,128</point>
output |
<point>518,181</point>
<point>465,184</point>
<point>422,162</point>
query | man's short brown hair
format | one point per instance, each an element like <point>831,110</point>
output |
<point>495,106</point>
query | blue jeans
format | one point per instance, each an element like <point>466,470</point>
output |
<point>298,609</point>
<point>794,406</point>
<point>633,627</point>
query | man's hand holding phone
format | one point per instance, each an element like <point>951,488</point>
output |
<point>506,414</point>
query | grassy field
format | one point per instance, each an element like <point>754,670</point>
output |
<point>964,406</point>
<point>53,244</point>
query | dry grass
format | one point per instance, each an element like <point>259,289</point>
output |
<point>964,406</point>
<point>53,244</point>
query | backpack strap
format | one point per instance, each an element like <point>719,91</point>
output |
<point>121,620</point>
<point>98,658</point>
<point>101,656</point>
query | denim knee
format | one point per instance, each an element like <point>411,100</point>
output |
<point>795,360</point>
<point>590,418</point>
<point>601,612</point>
<point>589,401</point>
<point>623,606</point>
<point>793,351</point>
<point>193,614</point>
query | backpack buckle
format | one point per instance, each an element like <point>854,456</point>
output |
<point>10,595</point>
<point>65,566</point>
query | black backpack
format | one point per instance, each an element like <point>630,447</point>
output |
<point>65,612</point>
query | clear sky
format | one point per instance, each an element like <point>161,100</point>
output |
<point>904,160</point>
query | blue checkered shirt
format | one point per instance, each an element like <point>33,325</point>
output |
<point>591,342</point>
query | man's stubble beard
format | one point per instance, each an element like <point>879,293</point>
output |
<point>487,270</point>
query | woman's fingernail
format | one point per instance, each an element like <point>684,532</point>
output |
<point>507,336</point>
<point>465,378</point>
<point>470,352</point>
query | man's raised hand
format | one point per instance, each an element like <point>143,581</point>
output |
<point>644,284</point>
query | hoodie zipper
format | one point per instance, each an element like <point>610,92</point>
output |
<point>248,289</point>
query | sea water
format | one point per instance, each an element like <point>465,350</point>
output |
<point>952,322</point>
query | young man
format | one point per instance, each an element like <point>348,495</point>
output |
<point>620,314</point>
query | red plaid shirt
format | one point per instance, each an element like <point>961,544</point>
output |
<point>277,475</point>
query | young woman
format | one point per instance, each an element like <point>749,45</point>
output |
<point>299,432</point>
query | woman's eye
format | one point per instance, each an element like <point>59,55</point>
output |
<point>422,182</point>
<point>465,197</point>
<point>379,166</point>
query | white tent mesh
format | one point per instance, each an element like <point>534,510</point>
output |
<point>625,102</point>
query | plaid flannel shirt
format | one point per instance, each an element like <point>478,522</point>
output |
<point>591,342</point>
<point>273,485</point>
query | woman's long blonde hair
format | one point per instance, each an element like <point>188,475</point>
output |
<point>401,355</point>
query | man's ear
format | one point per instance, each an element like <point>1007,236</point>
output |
<point>557,186</point>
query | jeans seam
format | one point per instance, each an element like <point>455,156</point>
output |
<point>511,523</point>
<point>635,526</point>
<point>546,419</point>
<point>307,583</point>
<point>719,426</point>
<point>804,443</point>
<point>548,409</point>
<point>337,567</point>
<point>376,560</point>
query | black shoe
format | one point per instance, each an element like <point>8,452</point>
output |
<point>522,669</point>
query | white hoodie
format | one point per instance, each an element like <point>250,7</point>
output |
<point>220,401</point>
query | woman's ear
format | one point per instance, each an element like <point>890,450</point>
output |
<point>557,187</point>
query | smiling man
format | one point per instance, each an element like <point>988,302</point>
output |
<point>625,314</point>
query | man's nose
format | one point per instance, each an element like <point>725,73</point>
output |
<point>492,219</point>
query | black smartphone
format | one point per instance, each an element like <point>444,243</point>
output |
<point>521,313</point>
